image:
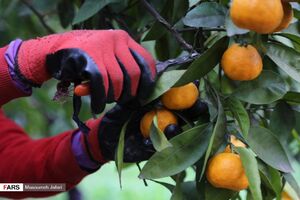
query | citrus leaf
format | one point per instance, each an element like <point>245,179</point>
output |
<point>157,137</point>
<point>240,114</point>
<point>187,148</point>
<point>265,89</point>
<point>206,14</point>
<point>185,191</point>
<point>293,97</point>
<point>90,8</point>
<point>204,63</point>
<point>282,121</point>
<point>165,82</point>
<point>286,58</point>
<point>292,37</point>
<point>168,186</point>
<point>217,135</point>
<point>66,12</point>
<point>267,147</point>
<point>273,178</point>
<point>293,183</point>
<point>120,152</point>
<point>251,169</point>
<point>212,193</point>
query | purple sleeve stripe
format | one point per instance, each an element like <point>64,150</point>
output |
<point>81,156</point>
<point>10,57</point>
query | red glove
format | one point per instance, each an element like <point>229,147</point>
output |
<point>117,67</point>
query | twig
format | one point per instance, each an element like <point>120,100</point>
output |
<point>140,169</point>
<point>177,36</point>
<point>203,29</point>
<point>163,65</point>
<point>39,16</point>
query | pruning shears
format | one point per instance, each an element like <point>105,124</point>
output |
<point>161,66</point>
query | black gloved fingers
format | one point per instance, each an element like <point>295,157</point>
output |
<point>75,65</point>
<point>126,91</point>
<point>76,110</point>
<point>97,91</point>
<point>147,83</point>
<point>135,150</point>
<point>66,64</point>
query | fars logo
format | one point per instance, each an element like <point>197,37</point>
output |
<point>11,187</point>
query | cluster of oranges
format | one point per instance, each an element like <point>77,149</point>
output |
<point>177,98</point>
<point>224,170</point>
<point>243,62</point>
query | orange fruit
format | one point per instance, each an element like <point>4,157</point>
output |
<point>285,196</point>
<point>182,97</point>
<point>257,15</point>
<point>82,89</point>
<point>235,142</point>
<point>241,63</point>
<point>225,170</point>
<point>287,16</point>
<point>164,119</point>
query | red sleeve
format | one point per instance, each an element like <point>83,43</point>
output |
<point>8,90</point>
<point>24,160</point>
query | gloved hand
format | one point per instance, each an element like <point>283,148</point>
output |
<point>116,67</point>
<point>106,132</point>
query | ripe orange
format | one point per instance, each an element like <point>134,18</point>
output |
<point>182,97</point>
<point>82,89</point>
<point>241,63</point>
<point>164,119</point>
<point>235,142</point>
<point>225,170</point>
<point>257,15</point>
<point>287,17</point>
<point>285,196</point>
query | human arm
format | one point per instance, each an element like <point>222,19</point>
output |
<point>31,62</point>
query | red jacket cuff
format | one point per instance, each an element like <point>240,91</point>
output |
<point>93,140</point>
<point>8,90</point>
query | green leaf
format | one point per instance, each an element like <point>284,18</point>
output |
<point>286,59</point>
<point>185,191</point>
<point>212,193</point>
<point>187,148</point>
<point>292,37</point>
<point>217,135</point>
<point>66,12</point>
<point>170,187</point>
<point>267,147</point>
<point>240,114</point>
<point>265,89</point>
<point>90,8</point>
<point>251,168</point>
<point>282,121</point>
<point>157,137</point>
<point>293,97</point>
<point>206,14</point>
<point>164,83</point>
<point>275,179</point>
<point>120,152</point>
<point>205,63</point>
<point>293,183</point>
